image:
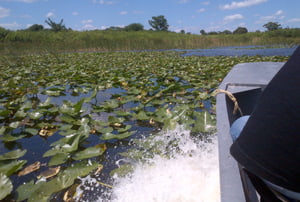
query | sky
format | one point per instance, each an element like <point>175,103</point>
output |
<point>188,15</point>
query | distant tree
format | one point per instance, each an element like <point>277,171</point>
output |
<point>270,26</point>
<point>226,32</point>
<point>56,26</point>
<point>182,31</point>
<point>134,27</point>
<point>159,23</point>
<point>36,27</point>
<point>240,30</point>
<point>114,28</point>
<point>202,32</point>
<point>212,33</point>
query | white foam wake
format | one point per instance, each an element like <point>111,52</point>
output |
<point>190,174</point>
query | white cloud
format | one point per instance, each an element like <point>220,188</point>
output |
<point>268,18</point>
<point>279,12</point>
<point>278,15</point>
<point>104,27</point>
<point>241,4</point>
<point>123,13</point>
<point>75,13</point>
<point>25,1</point>
<point>201,10</point>
<point>233,17</point>
<point>50,14</point>
<point>13,25</point>
<point>87,21</point>
<point>88,27</point>
<point>183,1</point>
<point>104,2</point>
<point>294,20</point>
<point>4,12</point>
<point>242,24</point>
<point>206,3</point>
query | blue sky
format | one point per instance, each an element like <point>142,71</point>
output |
<point>188,15</point>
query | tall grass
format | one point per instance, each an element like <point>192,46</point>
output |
<point>24,41</point>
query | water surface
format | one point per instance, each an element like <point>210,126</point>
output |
<point>242,50</point>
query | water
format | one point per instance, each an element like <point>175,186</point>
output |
<point>243,50</point>
<point>270,50</point>
<point>189,173</point>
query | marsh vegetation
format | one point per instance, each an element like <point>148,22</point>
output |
<point>71,112</point>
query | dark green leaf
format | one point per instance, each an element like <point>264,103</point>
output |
<point>14,124</point>
<point>141,116</point>
<point>109,136</point>
<point>58,158</point>
<point>122,171</point>
<point>88,153</point>
<point>122,130</point>
<point>31,131</point>
<point>25,190</point>
<point>6,186</point>
<point>13,154</point>
<point>10,167</point>
<point>67,118</point>
<point>11,138</point>
<point>2,130</point>
<point>35,115</point>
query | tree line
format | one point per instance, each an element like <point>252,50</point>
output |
<point>270,26</point>
<point>157,23</point>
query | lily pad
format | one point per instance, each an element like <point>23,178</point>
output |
<point>13,154</point>
<point>20,114</point>
<point>46,104</point>
<point>31,131</point>
<point>141,116</point>
<point>35,115</point>
<point>122,130</point>
<point>122,171</point>
<point>109,136</point>
<point>89,152</point>
<point>12,137</point>
<point>2,130</point>
<point>14,124</point>
<point>65,145</point>
<point>64,180</point>
<point>10,167</point>
<point>58,158</point>
<point>6,186</point>
<point>25,190</point>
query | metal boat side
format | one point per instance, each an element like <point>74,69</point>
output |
<point>246,81</point>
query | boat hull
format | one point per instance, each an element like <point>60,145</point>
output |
<point>246,81</point>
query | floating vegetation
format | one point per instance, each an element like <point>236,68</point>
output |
<point>74,111</point>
